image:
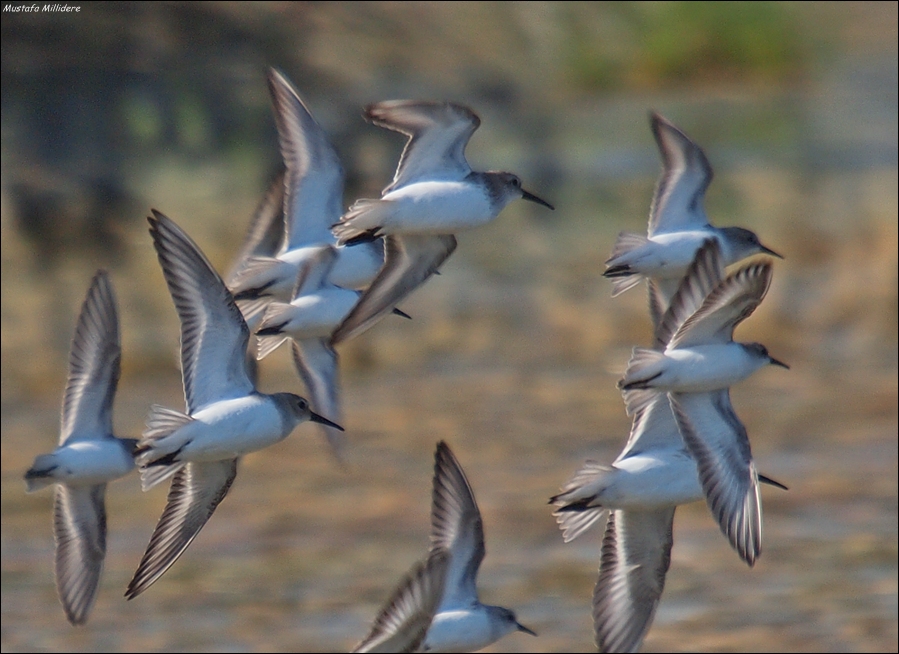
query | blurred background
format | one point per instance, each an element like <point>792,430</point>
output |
<point>513,351</point>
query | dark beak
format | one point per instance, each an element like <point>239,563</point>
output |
<point>775,362</point>
<point>314,417</point>
<point>771,252</point>
<point>771,482</point>
<point>533,198</point>
<point>521,627</point>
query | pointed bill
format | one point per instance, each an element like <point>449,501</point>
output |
<point>530,197</point>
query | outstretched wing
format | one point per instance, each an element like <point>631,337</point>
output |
<point>438,133</point>
<point>214,336</point>
<point>94,365</point>
<point>636,554</point>
<point>313,198</point>
<point>718,441</point>
<point>456,526</point>
<point>403,623</point>
<point>196,491</point>
<point>408,261</point>
<point>686,174</point>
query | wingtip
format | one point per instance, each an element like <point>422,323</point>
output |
<point>278,80</point>
<point>656,122</point>
<point>443,453</point>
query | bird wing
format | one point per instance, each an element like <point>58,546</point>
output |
<point>196,491</point>
<point>456,526</point>
<point>718,441</point>
<point>79,522</point>
<point>438,133</point>
<point>316,363</point>
<point>634,559</point>
<point>313,198</point>
<point>94,365</point>
<point>408,261</point>
<point>726,306</point>
<point>703,275</point>
<point>402,624</point>
<point>265,235</point>
<point>686,174</point>
<point>214,335</point>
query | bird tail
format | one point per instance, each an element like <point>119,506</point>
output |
<point>362,222</point>
<point>253,278</point>
<point>618,269</point>
<point>155,457</point>
<point>576,507</point>
<point>40,474</point>
<point>643,367</point>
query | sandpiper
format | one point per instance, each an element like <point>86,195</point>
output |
<point>699,363</point>
<point>678,224</point>
<point>436,607</point>
<point>88,456</point>
<point>695,351</point>
<point>462,622</point>
<point>640,490</point>
<point>316,310</point>
<point>313,200</point>
<point>433,195</point>
<point>226,416</point>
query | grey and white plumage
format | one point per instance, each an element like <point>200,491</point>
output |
<point>696,362</point>
<point>225,418</point>
<point>727,472</point>
<point>313,200</point>
<point>402,623</point>
<point>263,240</point>
<point>316,310</point>
<point>433,195</point>
<point>695,350</point>
<point>89,455</point>
<point>639,491</point>
<point>462,622</point>
<point>678,224</point>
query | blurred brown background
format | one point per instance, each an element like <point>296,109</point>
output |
<point>513,352</point>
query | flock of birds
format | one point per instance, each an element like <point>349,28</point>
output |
<point>314,275</point>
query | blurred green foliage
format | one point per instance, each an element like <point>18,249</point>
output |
<point>665,44</point>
